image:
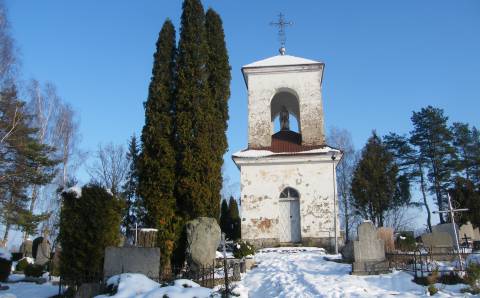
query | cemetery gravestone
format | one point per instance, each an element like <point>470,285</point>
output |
<point>203,238</point>
<point>43,253</point>
<point>446,228</point>
<point>466,230</point>
<point>369,251</point>
<point>438,242</point>
<point>476,234</point>
<point>26,248</point>
<point>144,260</point>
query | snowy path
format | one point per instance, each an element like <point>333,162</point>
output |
<point>291,273</point>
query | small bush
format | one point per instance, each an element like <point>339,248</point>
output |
<point>473,277</point>
<point>432,290</point>
<point>22,264</point>
<point>5,268</point>
<point>433,278</point>
<point>406,242</point>
<point>243,249</point>
<point>33,270</point>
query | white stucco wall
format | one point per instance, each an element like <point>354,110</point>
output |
<point>304,82</point>
<point>262,181</point>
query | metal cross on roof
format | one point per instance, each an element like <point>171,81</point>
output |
<point>281,24</point>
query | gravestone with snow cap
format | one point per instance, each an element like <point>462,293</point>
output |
<point>368,251</point>
<point>203,238</point>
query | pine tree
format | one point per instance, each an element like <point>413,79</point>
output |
<point>133,208</point>
<point>225,221</point>
<point>24,163</point>
<point>156,166</point>
<point>89,222</point>
<point>475,156</point>
<point>219,77</point>
<point>463,142</point>
<point>433,138</point>
<point>374,183</point>
<point>235,219</point>
<point>410,164</point>
<point>464,195</point>
<point>194,117</point>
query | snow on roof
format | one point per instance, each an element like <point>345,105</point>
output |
<point>280,60</point>
<point>263,153</point>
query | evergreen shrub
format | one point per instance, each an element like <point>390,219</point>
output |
<point>33,270</point>
<point>22,264</point>
<point>243,249</point>
<point>406,242</point>
<point>473,277</point>
<point>88,224</point>
<point>5,268</point>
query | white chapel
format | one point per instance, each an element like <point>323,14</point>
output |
<point>288,184</point>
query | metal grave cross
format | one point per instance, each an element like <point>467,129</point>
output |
<point>281,24</point>
<point>452,218</point>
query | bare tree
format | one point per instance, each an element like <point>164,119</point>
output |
<point>8,59</point>
<point>342,139</point>
<point>45,105</point>
<point>66,140</point>
<point>110,167</point>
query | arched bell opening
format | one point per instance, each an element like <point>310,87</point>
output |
<point>285,112</point>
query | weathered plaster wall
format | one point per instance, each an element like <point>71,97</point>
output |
<point>262,87</point>
<point>262,182</point>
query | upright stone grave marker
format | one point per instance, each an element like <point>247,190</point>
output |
<point>438,242</point>
<point>369,251</point>
<point>144,260</point>
<point>203,238</point>
<point>43,252</point>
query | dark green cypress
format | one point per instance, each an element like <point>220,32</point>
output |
<point>235,219</point>
<point>225,222</point>
<point>193,116</point>
<point>374,183</point>
<point>219,78</point>
<point>156,166</point>
<point>89,222</point>
<point>132,215</point>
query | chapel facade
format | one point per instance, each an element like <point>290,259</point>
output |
<point>288,184</point>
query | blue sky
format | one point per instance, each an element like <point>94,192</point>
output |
<point>384,59</point>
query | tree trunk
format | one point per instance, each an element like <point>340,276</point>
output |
<point>424,195</point>
<point>5,236</point>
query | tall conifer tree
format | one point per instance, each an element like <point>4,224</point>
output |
<point>131,216</point>
<point>219,84</point>
<point>374,183</point>
<point>194,117</point>
<point>432,136</point>
<point>156,167</point>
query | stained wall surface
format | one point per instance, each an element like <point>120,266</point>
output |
<point>305,85</point>
<point>262,183</point>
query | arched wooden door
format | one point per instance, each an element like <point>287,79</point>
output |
<point>289,216</point>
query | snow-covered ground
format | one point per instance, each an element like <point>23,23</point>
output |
<point>299,272</point>
<point>29,290</point>
<point>281,272</point>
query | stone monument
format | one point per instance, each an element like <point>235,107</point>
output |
<point>43,252</point>
<point>203,238</point>
<point>368,251</point>
<point>26,248</point>
<point>438,242</point>
<point>145,260</point>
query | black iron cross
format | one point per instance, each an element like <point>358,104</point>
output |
<point>281,24</point>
